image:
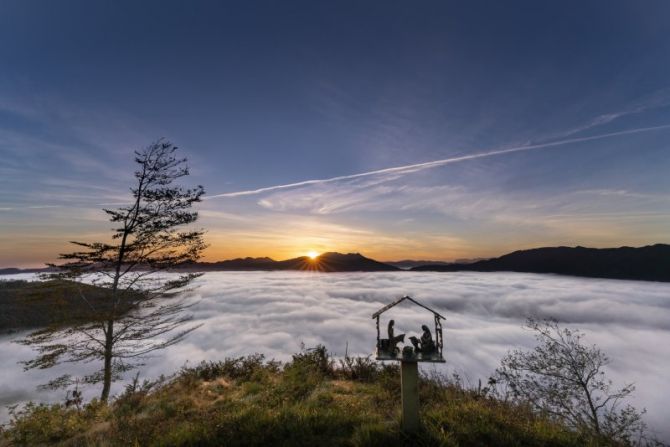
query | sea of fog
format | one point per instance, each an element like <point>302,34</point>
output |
<point>274,313</point>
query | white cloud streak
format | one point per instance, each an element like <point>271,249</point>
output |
<point>408,169</point>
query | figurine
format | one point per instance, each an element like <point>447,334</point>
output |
<point>423,348</point>
<point>426,345</point>
<point>394,339</point>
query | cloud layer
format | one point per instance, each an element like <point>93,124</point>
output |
<point>273,313</point>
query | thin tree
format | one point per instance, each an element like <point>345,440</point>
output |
<point>565,379</point>
<point>134,308</point>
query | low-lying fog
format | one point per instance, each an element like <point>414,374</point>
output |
<point>274,312</point>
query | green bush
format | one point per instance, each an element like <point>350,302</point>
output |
<point>40,424</point>
<point>240,368</point>
<point>363,369</point>
<point>315,360</point>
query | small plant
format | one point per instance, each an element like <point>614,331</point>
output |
<point>40,424</point>
<point>74,398</point>
<point>239,368</point>
<point>316,359</point>
<point>565,379</point>
<point>363,369</point>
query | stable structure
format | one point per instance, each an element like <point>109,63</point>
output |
<point>424,349</point>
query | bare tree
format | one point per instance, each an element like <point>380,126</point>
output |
<point>565,379</point>
<point>134,309</point>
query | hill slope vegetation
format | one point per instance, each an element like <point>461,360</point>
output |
<point>248,401</point>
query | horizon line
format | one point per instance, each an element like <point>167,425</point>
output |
<point>455,260</point>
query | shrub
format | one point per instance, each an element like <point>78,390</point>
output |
<point>363,369</point>
<point>240,368</point>
<point>315,359</point>
<point>39,424</point>
<point>565,378</point>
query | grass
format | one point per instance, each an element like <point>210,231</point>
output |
<point>309,401</point>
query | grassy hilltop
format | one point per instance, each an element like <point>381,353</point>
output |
<point>309,401</point>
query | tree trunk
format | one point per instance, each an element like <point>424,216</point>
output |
<point>594,412</point>
<point>107,374</point>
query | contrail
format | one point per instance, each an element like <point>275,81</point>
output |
<point>433,164</point>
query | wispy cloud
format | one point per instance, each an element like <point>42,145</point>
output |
<point>412,168</point>
<point>657,99</point>
<point>32,207</point>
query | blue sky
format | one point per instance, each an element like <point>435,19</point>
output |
<point>262,94</point>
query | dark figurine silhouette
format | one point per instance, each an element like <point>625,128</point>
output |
<point>426,345</point>
<point>394,339</point>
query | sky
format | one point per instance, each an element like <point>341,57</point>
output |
<point>434,130</point>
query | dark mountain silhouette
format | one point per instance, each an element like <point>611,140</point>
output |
<point>234,264</point>
<point>336,262</point>
<point>326,262</point>
<point>14,270</point>
<point>468,260</point>
<point>407,264</point>
<point>650,263</point>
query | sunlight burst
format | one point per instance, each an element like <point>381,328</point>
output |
<point>312,254</point>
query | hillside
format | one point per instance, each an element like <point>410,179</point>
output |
<point>650,263</point>
<point>308,402</point>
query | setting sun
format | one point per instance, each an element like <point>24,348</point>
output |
<point>312,254</point>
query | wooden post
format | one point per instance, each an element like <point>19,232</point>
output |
<point>409,385</point>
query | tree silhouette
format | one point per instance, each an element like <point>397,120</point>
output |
<point>136,309</point>
<point>565,379</point>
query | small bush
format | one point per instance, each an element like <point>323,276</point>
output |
<point>297,382</point>
<point>315,359</point>
<point>363,369</point>
<point>240,368</point>
<point>39,424</point>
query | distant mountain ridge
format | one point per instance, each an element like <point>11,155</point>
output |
<point>649,263</point>
<point>237,263</point>
<point>15,270</point>
<point>326,262</point>
<point>407,264</point>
